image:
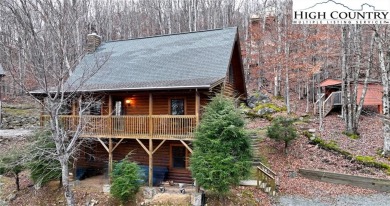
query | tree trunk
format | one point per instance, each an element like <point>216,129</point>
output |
<point>307,97</point>
<point>343,72</point>
<point>385,73</point>
<point>65,182</point>
<point>17,182</point>
<point>386,137</point>
<point>286,147</point>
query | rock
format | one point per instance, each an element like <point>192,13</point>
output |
<point>196,199</point>
<point>106,188</point>
<point>292,174</point>
<point>11,197</point>
<point>265,111</point>
<point>149,192</point>
<point>257,98</point>
<point>312,130</point>
<point>312,137</point>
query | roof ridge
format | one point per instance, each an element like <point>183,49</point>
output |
<point>173,34</point>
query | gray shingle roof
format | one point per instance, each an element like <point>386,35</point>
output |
<point>195,60</point>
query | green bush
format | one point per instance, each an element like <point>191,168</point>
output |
<point>222,153</point>
<point>282,129</point>
<point>43,167</point>
<point>126,180</point>
<point>351,135</point>
<point>12,164</point>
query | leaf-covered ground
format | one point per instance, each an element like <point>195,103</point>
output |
<point>302,154</point>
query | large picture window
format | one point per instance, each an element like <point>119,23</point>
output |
<point>177,106</point>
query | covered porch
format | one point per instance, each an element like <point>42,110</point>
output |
<point>147,122</point>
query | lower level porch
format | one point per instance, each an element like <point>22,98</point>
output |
<point>161,160</point>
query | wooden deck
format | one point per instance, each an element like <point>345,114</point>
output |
<point>169,127</point>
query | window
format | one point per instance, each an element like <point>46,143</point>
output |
<point>231,74</point>
<point>92,108</point>
<point>177,106</point>
<point>178,156</point>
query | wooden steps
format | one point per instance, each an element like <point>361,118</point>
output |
<point>267,179</point>
<point>327,104</point>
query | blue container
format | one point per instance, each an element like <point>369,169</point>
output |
<point>159,174</point>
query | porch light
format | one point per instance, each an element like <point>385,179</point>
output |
<point>128,102</point>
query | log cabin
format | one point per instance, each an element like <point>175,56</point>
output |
<point>148,98</point>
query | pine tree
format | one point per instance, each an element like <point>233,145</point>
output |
<point>222,153</point>
<point>282,129</point>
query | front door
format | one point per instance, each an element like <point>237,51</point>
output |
<point>118,121</point>
<point>178,157</point>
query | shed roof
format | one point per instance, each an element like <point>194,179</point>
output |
<point>330,82</point>
<point>196,59</point>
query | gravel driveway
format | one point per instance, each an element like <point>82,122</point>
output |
<point>11,133</point>
<point>381,199</point>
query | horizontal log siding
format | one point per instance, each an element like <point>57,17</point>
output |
<point>138,154</point>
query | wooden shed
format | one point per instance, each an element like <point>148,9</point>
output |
<point>331,96</point>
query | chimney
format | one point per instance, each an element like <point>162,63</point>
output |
<point>93,42</point>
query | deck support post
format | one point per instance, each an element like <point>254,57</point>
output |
<point>110,157</point>
<point>150,140</point>
<point>186,145</point>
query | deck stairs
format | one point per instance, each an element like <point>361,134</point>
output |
<point>328,103</point>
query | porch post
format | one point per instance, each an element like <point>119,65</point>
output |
<point>150,140</point>
<point>109,114</point>
<point>42,119</point>
<point>197,106</point>
<point>73,108</point>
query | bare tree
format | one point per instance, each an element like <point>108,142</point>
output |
<point>382,39</point>
<point>49,51</point>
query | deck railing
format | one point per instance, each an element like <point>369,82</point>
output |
<point>333,99</point>
<point>129,126</point>
<point>316,104</point>
<point>267,179</point>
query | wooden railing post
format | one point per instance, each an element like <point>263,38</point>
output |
<point>197,107</point>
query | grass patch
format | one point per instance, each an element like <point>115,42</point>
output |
<point>307,134</point>
<point>280,97</point>
<point>371,162</point>
<point>17,112</point>
<point>253,115</point>
<point>272,106</point>
<point>351,135</point>
<point>331,146</point>
<point>368,161</point>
